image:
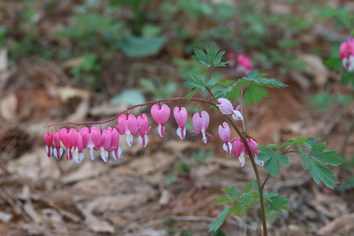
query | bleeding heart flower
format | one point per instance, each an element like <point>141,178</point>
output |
<point>58,150</point>
<point>244,64</point>
<point>68,138</point>
<point>181,116</point>
<point>201,122</point>
<point>143,129</point>
<point>346,53</point>
<point>226,108</point>
<point>48,139</point>
<point>127,125</point>
<point>161,116</point>
<point>224,132</point>
<point>240,151</point>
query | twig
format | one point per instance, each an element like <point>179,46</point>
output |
<point>346,138</point>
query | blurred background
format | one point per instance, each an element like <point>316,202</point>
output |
<point>88,60</point>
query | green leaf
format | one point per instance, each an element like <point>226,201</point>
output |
<point>255,93</point>
<point>237,210</point>
<point>219,221</point>
<point>212,82</point>
<point>247,187</point>
<point>255,186</point>
<point>141,47</point>
<point>334,63</point>
<point>272,159</point>
<point>226,190</point>
<point>348,184</point>
<point>278,203</point>
<point>170,179</point>
<point>191,94</point>
<point>195,83</point>
<point>347,78</point>
<point>320,173</point>
<point>246,197</point>
<point>222,200</point>
<point>317,149</point>
<point>325,156</point>
<point>233,190</point>
<point>130,97</point>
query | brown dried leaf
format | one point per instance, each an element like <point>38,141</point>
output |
<point>315,68</point>
<point>87,169</point>
<point>35,166</point>
<point>8,107</point>
<point>343,224</point>
<point>102,204</point>
<point>95,224</point>
<point>147,164</point>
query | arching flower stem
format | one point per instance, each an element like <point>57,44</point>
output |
<point>260,186</point>
<point>133,107</point>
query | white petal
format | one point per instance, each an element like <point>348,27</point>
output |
<point>236,115</point>
<point>258,162</point>
<point>104,155</point>
<point>242,159</point>
<point>204,139</point>
<point>129,139</point>
<point>92,154</point>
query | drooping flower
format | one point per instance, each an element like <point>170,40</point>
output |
<point>78,154</point>
<point>92,139</point>
<point>48,139</point>
<point>253,144</point>
<point>115,149</point>
<point>127,125</point>
<point>244,64</point>
<point>201,122</point>
<point>161,116</point>
<point>58,150</point>
<point>181,116</point>
<point>224,132</point>
<point>346,53</point>
<point>68,138</point>
<point>226,108</point>
<point>143,129</point>
<point>240,151</point>
<point>105,144</point>
<point>231,58</point>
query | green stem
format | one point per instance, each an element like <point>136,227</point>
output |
<point>242,109</point>
<point>254,165</point>
<point>255,217</point>
<point>346,138</point>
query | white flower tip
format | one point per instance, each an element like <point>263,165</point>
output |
<point>236,115</point>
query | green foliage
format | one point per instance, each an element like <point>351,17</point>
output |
<point>347,184</point>
<point>212,57</point>
<point>246,200</point>
<point>254,85</point>
<point>220,220</point>
<point>86,69</point>
<point>130,97</point>
<point>160,90</point>
<point>315,160</point>
<point>201,156</point>
<point>324,100</point>
<point>141,46</point>
<point>347,78</point>
<point>343,16</point>
<point>273,158</point>
<point>170,179</point>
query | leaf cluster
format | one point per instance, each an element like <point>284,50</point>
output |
<point>254,86</point>
<point>211,58</point>
<point>246,200</point>
<point>315,159</point>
